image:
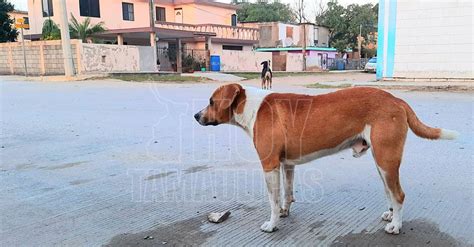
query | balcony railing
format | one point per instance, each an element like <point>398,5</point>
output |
<point>220,31</point>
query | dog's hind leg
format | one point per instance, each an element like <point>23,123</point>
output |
<point>263,83</point>
<point>288,172</point>
<point>387,144</point>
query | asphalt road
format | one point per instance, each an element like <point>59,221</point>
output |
<point>110,163</point>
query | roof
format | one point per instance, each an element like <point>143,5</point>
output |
<point>309,48</point>
<point>20,12</point>
<point>202,2</point>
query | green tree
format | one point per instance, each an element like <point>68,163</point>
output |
<point>360,18</point>
<point>84,30</point>
<point>7,32</point>
<point>262,11</point>
<point>333,17</point>
<point>50,30</point>
<point>344,23</point>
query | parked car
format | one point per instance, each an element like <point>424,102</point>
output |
<point>371,65</point>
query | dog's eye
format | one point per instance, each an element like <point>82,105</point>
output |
<point>211,102</point>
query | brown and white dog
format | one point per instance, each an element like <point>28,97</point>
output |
<point>289,129</point>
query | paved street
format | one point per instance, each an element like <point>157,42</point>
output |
<point>113,163</point>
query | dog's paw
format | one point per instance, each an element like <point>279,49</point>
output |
<point>387,216</point>
<point>268,227</point>
<point>284,212</point>
<point>393,228</point>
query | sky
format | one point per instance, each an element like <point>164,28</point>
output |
<point>311,4</point>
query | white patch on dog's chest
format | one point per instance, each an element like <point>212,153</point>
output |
<point>254,98</point>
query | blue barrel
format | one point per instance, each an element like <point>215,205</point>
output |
<point>340,65</point>
<point>215,63</point>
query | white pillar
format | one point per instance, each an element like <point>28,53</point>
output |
<point>65,39</point>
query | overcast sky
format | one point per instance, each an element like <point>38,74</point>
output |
<point>311,4</point>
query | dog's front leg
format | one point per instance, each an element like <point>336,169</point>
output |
<point>272,178</point>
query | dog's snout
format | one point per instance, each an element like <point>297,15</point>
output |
<point>197,116</point>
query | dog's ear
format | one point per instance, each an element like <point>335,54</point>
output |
<point>229,94</point>
<point>262,63</point>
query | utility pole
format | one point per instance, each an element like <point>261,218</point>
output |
<point>65,39</point>
<point>359,46</point>
<point>24,52</point>
<point>304,35</point>
<point>359,41</point>
<point>150,9</point>
<point>304,47</point>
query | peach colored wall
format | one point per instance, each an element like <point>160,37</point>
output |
<point>232,61</point>
<point>204,14</point>
<point>111,14</point>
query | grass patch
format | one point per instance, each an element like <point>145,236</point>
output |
<point>319,85</point>
<point>152,77</point>
<point>256,75</point>
<point>155,77</point>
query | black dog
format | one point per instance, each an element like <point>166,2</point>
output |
<point>266,75</point>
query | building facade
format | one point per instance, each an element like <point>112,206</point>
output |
<point>194,24</point>
<point>280,34</point>
<point>426,40</point>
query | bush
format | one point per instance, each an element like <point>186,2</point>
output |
<point>50,30</point>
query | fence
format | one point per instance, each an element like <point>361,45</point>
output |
<point>46,58</point>
<point>192,59</point>
<point>42,57</point>
<point>346,64</point>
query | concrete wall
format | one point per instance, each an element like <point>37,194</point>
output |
<point>322,35</point>
<point>294,62</point>
<point>46,58</point>
<point>278,34</point>
<point>117,58</point>
<point>418,39</point>
<point>42,57</point>
<point>242,60</point>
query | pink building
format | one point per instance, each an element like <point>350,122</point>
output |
<point>195,24</point>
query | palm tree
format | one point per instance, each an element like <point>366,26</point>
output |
<point>84,30</point>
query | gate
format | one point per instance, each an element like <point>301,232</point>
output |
<point>191,59</point>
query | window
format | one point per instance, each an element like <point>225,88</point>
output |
<point>316,36</point>
<point>178,15</point>
<point>127,12</point>
<point>26,21</point>
<point>47,7</point>
<point>232,47</point>
<point>233,19</point>
<point>89,8</point>
<point>160,14</point>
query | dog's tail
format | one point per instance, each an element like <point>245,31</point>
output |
<point>424,131</point>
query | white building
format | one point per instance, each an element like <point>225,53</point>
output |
<point>425,39</point>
